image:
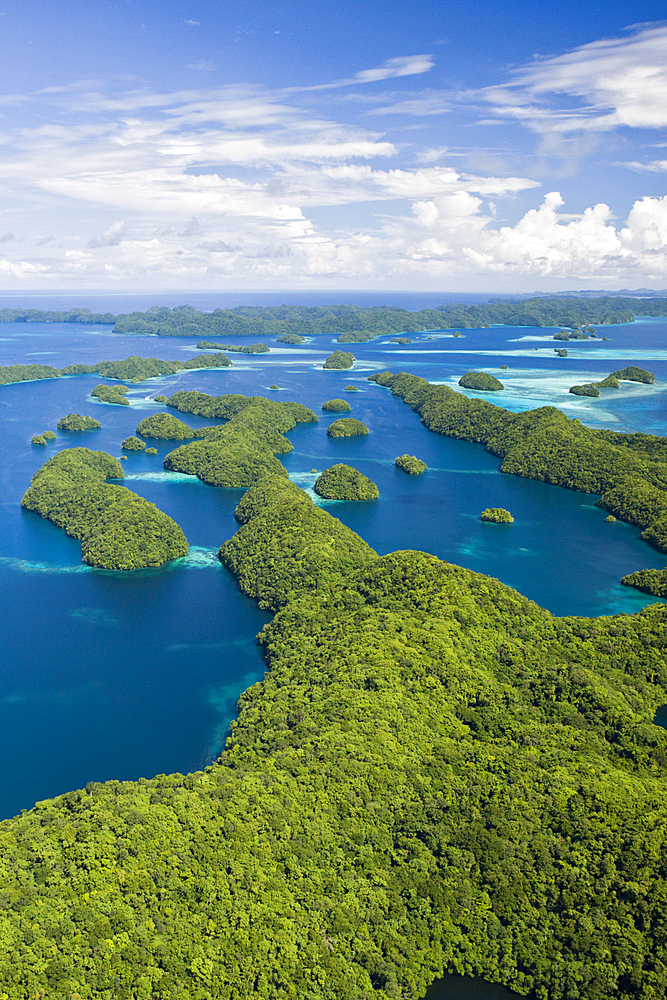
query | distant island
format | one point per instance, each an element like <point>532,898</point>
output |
<point>481,381</point>
<point>340,359</point>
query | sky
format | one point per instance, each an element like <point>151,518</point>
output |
<point>432,146</point>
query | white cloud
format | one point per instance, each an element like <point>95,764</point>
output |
<point>615,82</point>
<point>111,237</point>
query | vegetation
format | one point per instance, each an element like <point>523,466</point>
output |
<point>26,373</point>
<point>160,399</point>
<point>633,374</point>
<point>481,381</point>
<point>247,349</point>
<point>38,439</point>
<point>411,464</point>
<point>610,382</point>
<point>497,515</point>
<point>151,451</point>
<point>351,388</point>
<point>649,581</point>
<point>242,451</point>
<point>340,359</point>
<point>342,482</point>
<point>111,394</point>
<point>288,546</point>
<point>133,443</point>
<point>346,427</point>
<point>584,390</point>
<point>78,422</point>
<point>117,528</point>
<point>336,405</point>
<point>560,351</point>
<point>338,320</point>
<point>290,338</point>
<point>400,340</point>
<point>49,435</point>
<point>356,337</point>
<point>434,775</point>
<point>79,315</point>
<point>628,470</point>
<point>165,426</point>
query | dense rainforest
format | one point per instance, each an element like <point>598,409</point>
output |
<point>629,470</point>
<point>117,528</point>
<point>355,323</point>
<point>435,774</point>
<point>241,451</point>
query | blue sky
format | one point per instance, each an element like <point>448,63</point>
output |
<point>432,146</point>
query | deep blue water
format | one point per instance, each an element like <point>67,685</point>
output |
<point>121,675</point>
<point>111,675</point>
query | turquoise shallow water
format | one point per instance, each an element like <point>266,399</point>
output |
<point>121,675</point>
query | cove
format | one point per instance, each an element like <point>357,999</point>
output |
<point>467,988</point>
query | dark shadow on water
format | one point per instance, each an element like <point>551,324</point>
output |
<point>467,988</point>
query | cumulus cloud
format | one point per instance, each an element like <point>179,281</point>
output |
<point>111,237</point>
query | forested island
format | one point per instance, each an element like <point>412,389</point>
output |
<point>117,529</point>
<point>434,775</point>
<point>342,482</point>
<point>482,381</point>
<point>78,422</point>
<point>410,464</point>
<point>340,359</point>
<point>346,427</point>
<point>241,451</point>
<point>629,471</point>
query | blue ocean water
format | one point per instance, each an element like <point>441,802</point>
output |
<point>111,675</point>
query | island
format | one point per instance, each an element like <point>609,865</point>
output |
<point>117,529</point>
<point>340,359</point>
<point>481,381</point>
<point>160,399</point>
<point>133,443</point>
<point>111,394</point>
<point>355,337</point>
<point>400,340</point>
<point>151,451</point>
<point>165,426</point>
<point>584,390</point>
<point>238,349</point>
<point>78,422</point>
<point>336,405</point>
<point>342,482</point>
<point>346,427</point>
<point>496,515</point>
<point>38,439</point>
<point>242,451</point>
<point>560,351</point>
<point>351,388</point>
<point>610,382</point>
<point>293,339</point>
<point>633,374</point>
<point>410,464</point>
